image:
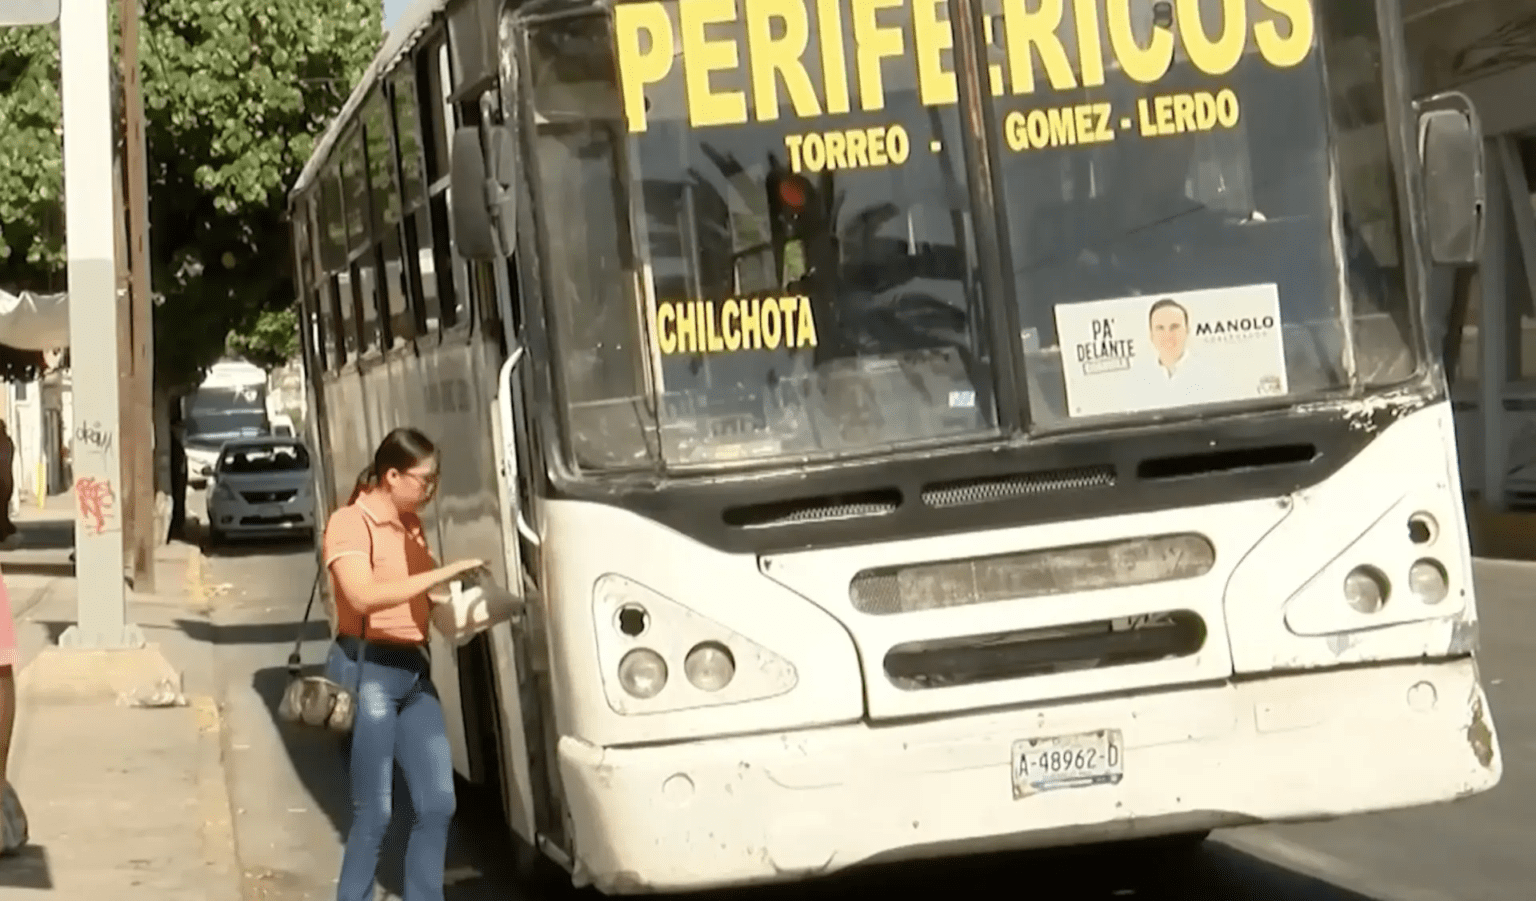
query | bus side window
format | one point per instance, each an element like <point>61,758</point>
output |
<point>415,231</point>
<point>399,325</point>
<point>360,264</point>
<point>430,223</point>
<point>330,235</point>
<point>445,120</point>
<point>305,276</point>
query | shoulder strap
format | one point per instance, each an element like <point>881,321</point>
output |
<point>294,665</point>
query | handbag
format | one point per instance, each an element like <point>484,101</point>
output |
<point>323,700</point>
<point>473,605</point>
<point>13,829</point>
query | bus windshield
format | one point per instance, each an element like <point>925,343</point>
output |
<point>760,243</point>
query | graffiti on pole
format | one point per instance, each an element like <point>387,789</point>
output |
<point>94,436</point>
<point>98,503</point>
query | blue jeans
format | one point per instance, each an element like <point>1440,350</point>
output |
<point>399,717</point>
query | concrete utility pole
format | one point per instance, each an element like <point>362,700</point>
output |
<point>139,433</point>
<point>85,61</point>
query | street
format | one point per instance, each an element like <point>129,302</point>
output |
<point>290,804</point>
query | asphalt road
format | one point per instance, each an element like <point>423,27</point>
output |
<point>291,808</point>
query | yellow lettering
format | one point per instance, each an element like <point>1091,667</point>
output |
<point>730,325</point>
<point>815,155</point>
<point>1290,50</point>
<point>702,56</point>
<point>792,144</point>
<point>638,68</point>
<point>1175,114</point>
<point>877,154</point>
<point>1105,131</point>
<point>995,70</point>
<point>687,337</point>
<point>1023,30</point>
<point>931,38</point>
<point>770,55</point>
<point>806,328</point>
<point>771,324</point>
<point>1063,126</point>
<point>858,149</point>
<point>1039,127</point>
<point>834,59</point>
<point>1227,108</point>
<point>853,148</point>
<point>1082,121</point>
<point>1090,45</point>
<point>768,49</point>
<point>1148,127</point>
<point>896,144</point>
<point>1014,132</point>
<point>715,344</point>
<point>1184,112</point>
<point>835,157</point>
<point>1221,55</point>
<point>666,328</point>
<point>1144,64</point>
<point>751,334</point>
<point>872,44</point>
<point>1205,112</point>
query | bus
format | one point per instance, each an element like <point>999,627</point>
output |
<point>920,427</point>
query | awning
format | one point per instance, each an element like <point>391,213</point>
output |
<point>34,321</point>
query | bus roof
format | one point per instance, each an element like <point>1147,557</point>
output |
<point>413,22</point>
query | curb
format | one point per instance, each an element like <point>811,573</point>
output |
<point>213,803</point>
<point>197,578</point>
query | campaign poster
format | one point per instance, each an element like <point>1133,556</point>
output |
<point>1158,351</point>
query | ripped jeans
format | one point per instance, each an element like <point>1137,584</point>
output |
<point>399,717</point>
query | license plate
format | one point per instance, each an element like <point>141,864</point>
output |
<point>271,512</point>
<point>1067,761</point>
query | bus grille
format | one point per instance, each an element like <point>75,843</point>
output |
<point>978,659</point>
<point>982,491</point>
<point>1038,573</point>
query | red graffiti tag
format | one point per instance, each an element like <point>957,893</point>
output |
<point>95,498</point>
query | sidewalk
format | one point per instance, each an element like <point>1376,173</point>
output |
<point>125,801</point>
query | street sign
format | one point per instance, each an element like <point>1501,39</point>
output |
<point>28,12</point>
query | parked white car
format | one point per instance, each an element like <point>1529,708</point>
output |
<point>260,487</point>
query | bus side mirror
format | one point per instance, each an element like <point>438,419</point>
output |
<point>484,193</point>
<point>1455,194</point>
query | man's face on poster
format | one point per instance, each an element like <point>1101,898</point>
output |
<point>1170,334</point>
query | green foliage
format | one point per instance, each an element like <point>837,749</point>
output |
<point>235,92</point>
<point>271,341</point>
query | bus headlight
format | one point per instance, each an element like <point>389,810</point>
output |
<point>709,666</point>
<point>643,673</point>
<point>1428,582</point>
<point>1365,589</point>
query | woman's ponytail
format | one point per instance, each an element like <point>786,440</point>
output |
<point>366,480</point>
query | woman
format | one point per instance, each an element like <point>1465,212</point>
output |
<point>381,571</point>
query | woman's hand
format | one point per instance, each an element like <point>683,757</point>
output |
<point>460,567</point>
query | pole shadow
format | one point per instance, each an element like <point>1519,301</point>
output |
<point>27,868</point>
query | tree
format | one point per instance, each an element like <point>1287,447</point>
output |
<point>270,341</point>
<point>235,93</point>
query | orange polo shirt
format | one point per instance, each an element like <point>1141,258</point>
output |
<point>396,545</point>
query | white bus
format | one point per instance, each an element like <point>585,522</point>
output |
<point>928,426</point>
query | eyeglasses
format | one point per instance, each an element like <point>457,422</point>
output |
<point>428,480</point>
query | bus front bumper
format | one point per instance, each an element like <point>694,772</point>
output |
<point>792,805</point>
